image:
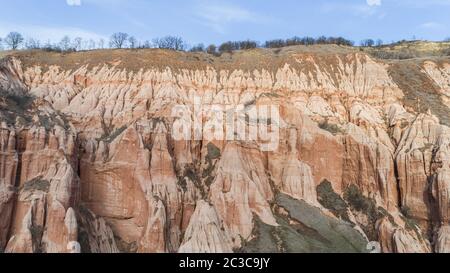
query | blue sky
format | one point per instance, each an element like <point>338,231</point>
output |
<point>215,21</point>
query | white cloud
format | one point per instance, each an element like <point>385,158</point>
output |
<point>374,2</point>
<point>73,2</point>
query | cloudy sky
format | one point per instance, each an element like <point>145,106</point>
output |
<point>215,21</point>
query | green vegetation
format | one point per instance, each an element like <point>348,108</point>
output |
<point>15,107</point>
<point>359,202</point>
<point>405,210</point>
<point>421,92</point>
<point>410,223</point>
<point>328,198</point>
<point>36,235</point>
<point>384,213</point>
<point>83,239</point>
<point>366,206</point>
<point>37,184</point>
<point>211,157</point>
<point>108,138</point>
<point>190,173</point>
<point>22,101</point>
<point>354,200</point>
<point>332,128</point>
<point>270,95</point>
<point>213,152</point>
<point>126,247</point>
<point>404,50</point>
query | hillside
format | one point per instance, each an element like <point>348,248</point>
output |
<point>92,159</point>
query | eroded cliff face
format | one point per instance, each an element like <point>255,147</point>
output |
<point>89,161</point>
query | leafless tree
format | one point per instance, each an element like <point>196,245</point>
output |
<point>275,43</point>
<point>32,43</point>
<point>198,48</point>
<point>118,40</point>
<point>92,44</point>
<point>244,45</point>
<point>65,43</point>
<point>228,47</point>
<point>379,42</point>
<point>368,42</point>
<point>146,44</point>
<point>101,43</point>
<point>14,40</point>
<point>170,42</point>
<point>77,43</point>
<point>132,42</point>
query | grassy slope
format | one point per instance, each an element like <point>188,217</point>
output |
<point>421,93</point>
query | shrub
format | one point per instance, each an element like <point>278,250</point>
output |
<point>406,211</point>
<point>228,47</point>
<point>245,45</point>
<point>447,52</point>
<point>37,184</point>
<point>332,128</point>
<point>110,138</point>
<point>359,202</point>
<point>367,206</point>
<point>211,49</point>
<point>213,151</point>
<point>328,198</point>
<point>275,43</point>
<point>198,48</point>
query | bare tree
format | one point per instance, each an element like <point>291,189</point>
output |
<point>77,43</point>
<point>170,42</point>
<point>85,45</point>
<point>47,45</point>
<point>118,40</point>
<point>368,42</point>
<point>32,43</point>
<point>244,45</point>
<point>379,42</point>
<point>278,43</point>
<point>146,44</point>
<point>198,48</point>
<point>92,44</point>
<point>101,43</point>
<point>132,42</point>
<point>14,40</point>
<point>228,47</point>
<point>1,44</point>
<point>65,43</point>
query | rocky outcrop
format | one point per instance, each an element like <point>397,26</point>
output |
<point>205,233</point>
<point>241,188</point>
<point>9,162</point>
<point>95,236</point>
<point>90,160</point>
